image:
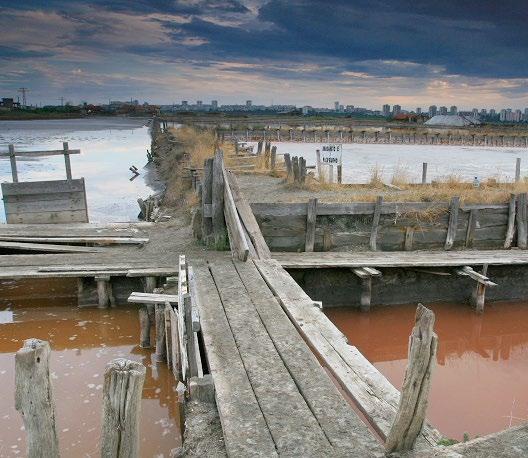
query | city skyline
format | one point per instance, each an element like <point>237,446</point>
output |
<point>367,53</point>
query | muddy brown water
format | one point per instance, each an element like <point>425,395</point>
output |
<point>479,384</point>
<point>83,340</point>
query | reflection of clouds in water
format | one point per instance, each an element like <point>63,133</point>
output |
<point>106,155</point>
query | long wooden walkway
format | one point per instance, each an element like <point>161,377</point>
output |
<point>273,396</point>
<point>374,259</point>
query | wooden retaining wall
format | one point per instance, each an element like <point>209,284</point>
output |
<point>43,202</point>
<point>401,226</point>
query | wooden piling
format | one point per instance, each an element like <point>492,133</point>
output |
<point>289,170</point>
<point>34,399</point>
<point>479,293</point>
<point>311,216</point>
<point>453,222</point>
<point>295,166</point>
<point>302,170</point>
<point>472,225</point>
<point>67,163</point>
<point>104,291</point>
<point>424,172</point>
<point>12,158</point>
<point>259,148</point>
<point>273,157</point>
<point>219,228</point>
<point>510,231</point>
<point>123,386</point>
<point>410,416</point>
<point>207,199</point>
<point>340,173</point>
<point>161,346</point>
<point>521,221</point>
<point>518,170</point>
<point>319,165</point>
<point>330,174</point>
<point>375,223</point>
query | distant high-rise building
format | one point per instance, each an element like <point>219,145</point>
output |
<point>526,114</point>
<point>453,110</point>
<point>432,111</point>
<point>517,116</point>
<point>185,103</point>
<point>443,110</point>
<point>475,112</point>
<point>492,112</point>
<point>396,110</point>
<point>349,108</point>
<point>386,110</point>
<point>418,110</point>
<point>336,106</point>
<point>483,112</point>
<point>249,103</point>
<point>214,104</point>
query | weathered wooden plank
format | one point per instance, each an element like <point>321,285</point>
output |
<point>248,218</point>
<point>311,217</point>
<point>471,226</point>
<point>33,204</point>
<point>218,192</point>
<point>510,230</point>
<point>453,222</point>
<point>207,199</point>
<point>373,393</point>
<point>96,240</point>
<point>243,424</point>
<point>375,223</point>
<point>292,425</point>
<point>237,239</point>
<point>43,187</point>
<point>522,222</point>
<point>48,247</point>
<point>151,298</point>
<point>349,434</point>
<point>56,152</point>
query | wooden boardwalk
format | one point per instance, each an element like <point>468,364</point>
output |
<point>348,259</point>
<point>273,396</point>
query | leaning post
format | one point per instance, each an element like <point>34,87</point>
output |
<point>410,417</point>
<point>122,389</point>
<point>67,162</point>
<point>34,398</point>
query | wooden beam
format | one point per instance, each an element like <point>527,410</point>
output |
<point>375,223</point>
<point>152,298</point>
<point>522,229</point>
<point>311,217</point>
<point>453,222</point>
<point>237,239</point>
<point>207,198</point>
<point>48,247</point>
<point>479,277</point>
<point>248,219</point>
<point>218,185</point>
<point>58,152</point>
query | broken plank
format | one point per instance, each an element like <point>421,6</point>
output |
<point>152,298</point>
<point>48,248</point>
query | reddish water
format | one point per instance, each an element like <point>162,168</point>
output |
<point>82,342</point>
<point>480,381</point>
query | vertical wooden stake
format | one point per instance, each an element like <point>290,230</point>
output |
<point>511,222</point>
<point>34,398</point>
<point>375,223</point>
<point>453,222</point>
<point>103,291</point>
<point>302,170</point>
<point>366,293</point>
<point>273,157</point>
<point>161,346</point>
<point>340,173</point>
<point>123,386</point>
<point>521,221</point>
<point>67,162</point>
<point>12,158</point>
<point>424,172</point>
<point>311,216</point>
<point>219,227</point>
<point>289,170</point>
<point>295,166</point>
<point>331,174</point>
<point>479,293</point>
<point>318,159</point>
<point>518,170</point>
<point>410,416</point>
<point>472,225</point>
<point>207,199</point>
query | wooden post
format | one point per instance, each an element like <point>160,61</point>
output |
<point>518,170</point>
<point>410,416</point>
<point>289,170</point>
<point>479,293</point>
<point>311,215</point>
<point>375,223</point>
<point>267,150</point>
<point>67,162</point>
<point>340,173</point>
<point>12,158</point>
<point>207,200</point>
<point>188,337</point>
<point>409,237</point>
<point>453,222</point>
<point>259,148</point>
<point>34,398</point>
<point>521,221</point>
<point>511,222</point>
<point>123,386</point>
<point>168,333</point>
<point>472,224</point>
<point>161,346</point>
<point>273,157</point>
<point>318,164</point>
<point>302,170</point>
<point>295,166</point>
<point>219,228</point>
<point>424,172</point>
<point>331,174</point>
<point>103,291</point>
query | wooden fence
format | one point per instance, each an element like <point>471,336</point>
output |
<point>392,226</point>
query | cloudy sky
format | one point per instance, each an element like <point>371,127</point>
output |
<point>471,53</point>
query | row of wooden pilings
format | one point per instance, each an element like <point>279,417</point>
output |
<point>391,137</point>
<point>34,399</point>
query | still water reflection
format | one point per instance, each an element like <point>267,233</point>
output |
<point>82,342</point>
<point>109,146</point>
<point>479,384</point>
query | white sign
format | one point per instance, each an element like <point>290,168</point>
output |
<point>331,154</point>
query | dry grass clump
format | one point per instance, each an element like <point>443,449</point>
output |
<point>401,175</point>
<point>376,177</point>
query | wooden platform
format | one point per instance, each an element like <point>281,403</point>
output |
<point>273,396</point>
<point>331,259</point>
